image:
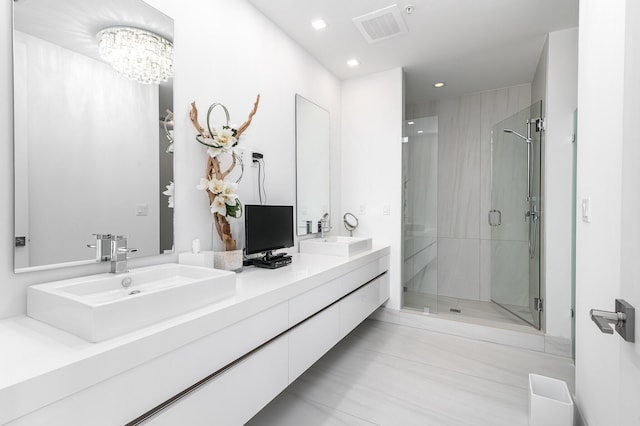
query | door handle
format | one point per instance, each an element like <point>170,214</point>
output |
<point>623,317</point>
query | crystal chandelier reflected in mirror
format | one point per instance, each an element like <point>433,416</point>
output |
<point>137,54</point>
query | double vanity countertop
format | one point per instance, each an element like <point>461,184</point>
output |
<point>42,364</point>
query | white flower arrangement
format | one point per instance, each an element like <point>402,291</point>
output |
<point>167,123</point>
<point>223,199</point>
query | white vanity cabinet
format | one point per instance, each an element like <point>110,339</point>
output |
<point>227,376</point>
<point>314,337</point>
<point>306,304</point>
<point>124,397</point>
<point>237,394</point>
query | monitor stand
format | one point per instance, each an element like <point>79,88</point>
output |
<point>272,261</point>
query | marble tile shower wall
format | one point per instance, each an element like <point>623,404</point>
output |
<point>464,185</point>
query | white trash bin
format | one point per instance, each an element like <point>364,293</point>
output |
<point>550,403</point>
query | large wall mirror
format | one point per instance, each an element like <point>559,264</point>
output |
<point>313,141</point>
<point>90,145</point>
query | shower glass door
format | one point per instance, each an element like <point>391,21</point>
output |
<point>515,214</point>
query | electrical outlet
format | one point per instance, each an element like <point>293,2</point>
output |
<point>363,209</point>
<point>255,157</point>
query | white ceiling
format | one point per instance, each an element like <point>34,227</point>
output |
<point>472,45</point>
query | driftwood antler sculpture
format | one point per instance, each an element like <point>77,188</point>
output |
<point>214,171</point>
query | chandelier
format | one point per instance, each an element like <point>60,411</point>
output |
<point>137,54</point>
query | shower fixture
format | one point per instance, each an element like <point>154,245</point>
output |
<point>524,138</point>
<point>529,142</point>
<point>532,214</point>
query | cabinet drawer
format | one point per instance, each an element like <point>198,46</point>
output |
<point>236,395</point>
<point>360,304</point>
<point>307,304</point>
<point>312,339</point>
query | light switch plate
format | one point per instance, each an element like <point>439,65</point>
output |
<point>586,210</point>
<point>142,210</point>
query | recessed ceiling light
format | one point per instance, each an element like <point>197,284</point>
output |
<point>439,84</point>
<point>411,122</point>
<point>353,62</point>
<point>319,24</point>
<point>420,132</point>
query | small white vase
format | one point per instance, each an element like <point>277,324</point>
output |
<point>228,260</point>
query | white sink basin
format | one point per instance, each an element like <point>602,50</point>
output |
<point>98,307</point>
<point>335,246</point>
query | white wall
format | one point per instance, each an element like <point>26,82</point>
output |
<point>539,83</point>
<point>372,108</point>
<point>561,102</point>
<point>252,56</point>
<point>225,51</point>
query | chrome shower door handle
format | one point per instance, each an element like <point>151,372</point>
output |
<point>492,214</point>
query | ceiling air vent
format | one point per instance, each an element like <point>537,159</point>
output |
<point>381,24</point>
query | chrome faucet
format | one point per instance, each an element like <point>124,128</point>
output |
<point>112,248</point>
<point>119,251</point>
<point>102,246</point>
<point>323,224</point>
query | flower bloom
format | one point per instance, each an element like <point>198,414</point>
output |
<point>203,185</point>
<point>229,193</point>
<point>169,193</point>
<point>216,186</point>
<point>221,141</point>
<point>225,138</point>
<point>219,206</point>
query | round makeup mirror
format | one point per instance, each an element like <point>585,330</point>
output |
<point>350,222</point>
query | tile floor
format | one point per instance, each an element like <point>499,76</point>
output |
<point>468,308</point>
<point>388,374</point>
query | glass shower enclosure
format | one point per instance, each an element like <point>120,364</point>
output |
<point>420,214</point>
<point>515,215</point>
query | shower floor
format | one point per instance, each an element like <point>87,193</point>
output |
<point>465,308</point>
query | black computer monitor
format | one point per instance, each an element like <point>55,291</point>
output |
<point>267,228</point>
